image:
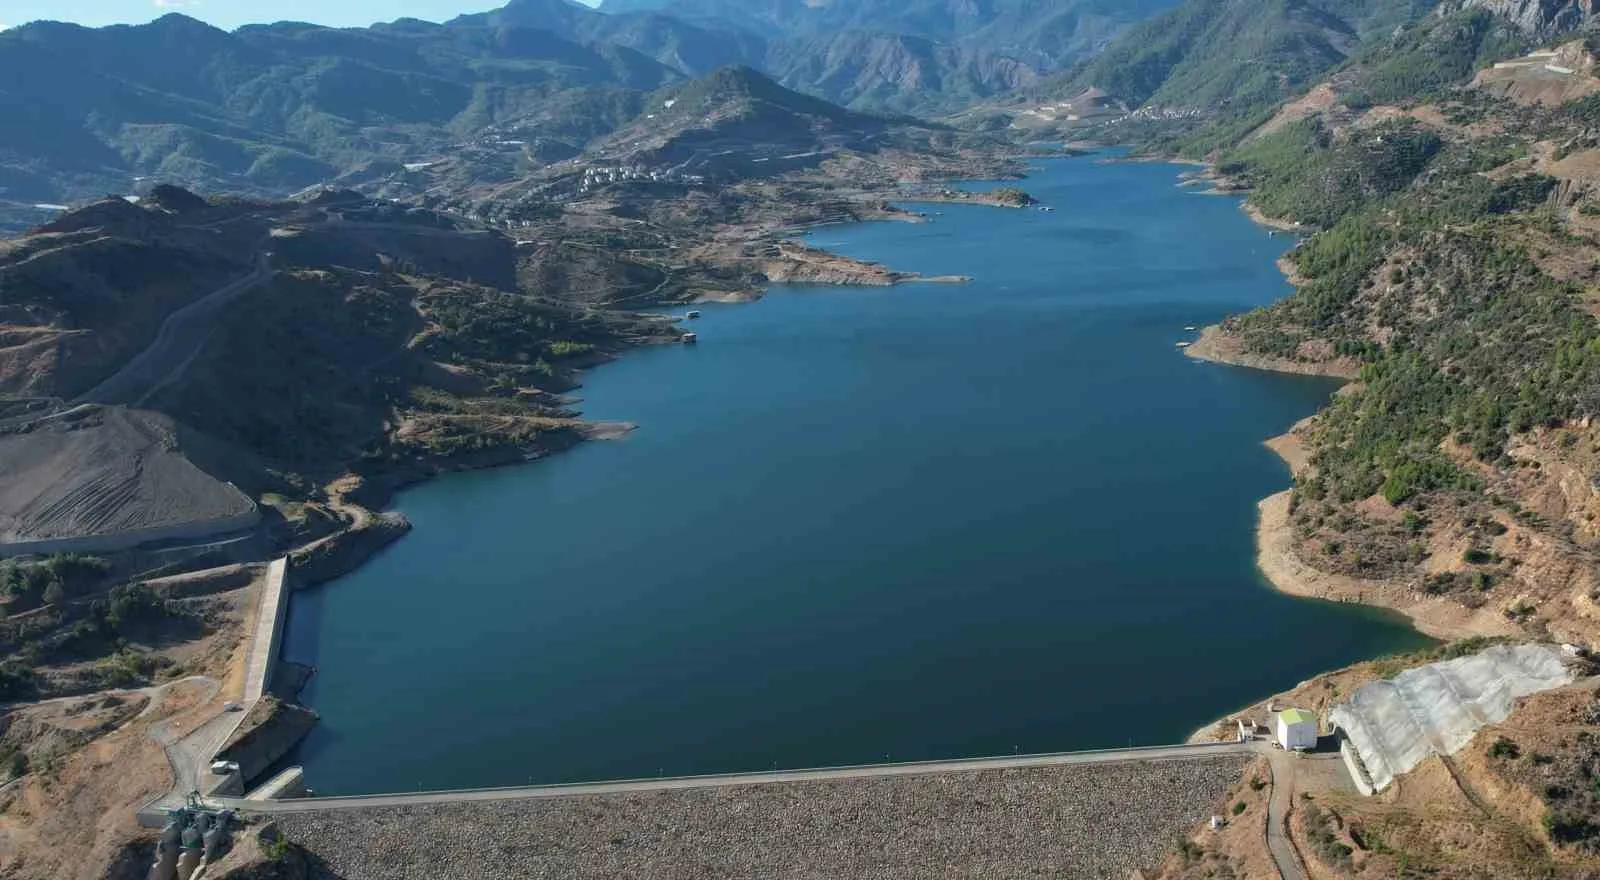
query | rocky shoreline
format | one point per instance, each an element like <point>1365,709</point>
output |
<point>1216,345</point>
<point>1437,618</point>
<point>797,263</point>
<point>1276,557</point>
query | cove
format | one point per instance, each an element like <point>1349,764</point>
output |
<point>859,525</point>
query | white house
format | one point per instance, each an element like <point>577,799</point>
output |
<point>1297,729</point>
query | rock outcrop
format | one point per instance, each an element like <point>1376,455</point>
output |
<point>1540,19</point>
<point>272,728</point>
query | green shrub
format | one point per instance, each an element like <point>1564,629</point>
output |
<point>51,580</point>
<point>565,349</point>
<point>1573,828</point>
<point>1010,195</point>
<point>128,669</point>
<point>17,681</point>
<point>1324,841</point>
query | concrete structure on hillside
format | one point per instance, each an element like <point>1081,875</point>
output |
<point>194,837</point>
<point>1297,729</point>
<point>1392,726</point>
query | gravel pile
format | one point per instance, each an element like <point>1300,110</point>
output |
<point>102,471</point>
<point>1086,821</point>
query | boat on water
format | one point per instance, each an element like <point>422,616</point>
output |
<point>690,316</point>
<point>689,338</point>
<point>1185,344</point>
<point>1047,210</point>
<point>1191,329</point>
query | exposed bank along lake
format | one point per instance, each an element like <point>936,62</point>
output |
<point>859,525</point>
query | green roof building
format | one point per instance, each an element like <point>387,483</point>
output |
<point>1297,729</point>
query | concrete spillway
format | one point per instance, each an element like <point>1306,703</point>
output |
<point>193,837</point>
<point>1437,709</point>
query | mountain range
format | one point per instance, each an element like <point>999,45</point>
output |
<point>269,109</point>
<point>272,108</point>
<point>870,54</point>
<point>1042,33</point>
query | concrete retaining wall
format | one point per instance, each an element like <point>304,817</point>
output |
<point>277,728</point>
<point>266,644</point>
<point>290,783</point>
<point>118,541</point>
<point>1358,773</point>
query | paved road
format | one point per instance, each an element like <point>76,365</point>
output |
<point>1113,756</point>
<point>182,747</point>
<point>180,339</point>
<point>191,752</point>
<point>1278,842</point>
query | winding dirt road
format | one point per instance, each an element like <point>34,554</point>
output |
<point>180,339</point>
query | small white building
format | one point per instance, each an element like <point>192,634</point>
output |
<point>1297,729</point>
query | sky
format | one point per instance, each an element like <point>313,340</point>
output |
<point>233,13</point>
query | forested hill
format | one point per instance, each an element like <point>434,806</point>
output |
<point>1443,182</point>
<point>1448,178</point>
<point>1206,53</point>
<point>1042,33</point>
<point>269,109</point>
<point>272,108</point>
<point>919,56</point>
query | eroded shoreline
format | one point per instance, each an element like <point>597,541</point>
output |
<point>1276,558</point>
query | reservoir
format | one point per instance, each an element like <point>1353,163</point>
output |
<point>858,525</point>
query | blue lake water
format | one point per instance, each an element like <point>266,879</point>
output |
<point>858,525</point>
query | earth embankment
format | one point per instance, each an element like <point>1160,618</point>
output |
<point>101,479</point>
<point>1073,821</point>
